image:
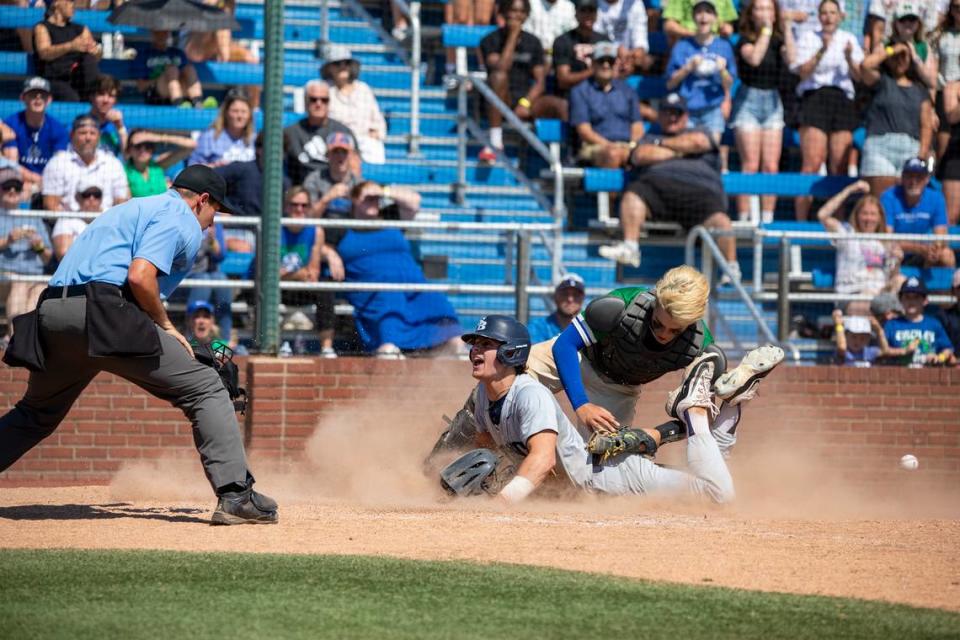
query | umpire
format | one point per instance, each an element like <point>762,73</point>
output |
<point>102,311</point>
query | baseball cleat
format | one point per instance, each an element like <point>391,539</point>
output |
<point>624,440</point>
<point>740,383</point>
<point>694,391</point>
<point>245,507</point>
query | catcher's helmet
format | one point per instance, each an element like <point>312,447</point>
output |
<point>515,338</point>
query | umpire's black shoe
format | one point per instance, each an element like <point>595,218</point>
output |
<point>245,507</point>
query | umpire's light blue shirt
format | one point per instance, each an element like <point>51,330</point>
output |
<point>160,229</point>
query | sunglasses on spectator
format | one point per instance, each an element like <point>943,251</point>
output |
<point>908,19</point>
<point>12,185</point>
<point>371,198</point>
<point>606,61</point>
<point>96,194</point>
<point>144,146</point>
<point>36,93</point>
<point>299,205</point>
<point>324,99</point>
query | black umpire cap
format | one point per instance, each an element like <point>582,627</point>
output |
<point>202,179</point>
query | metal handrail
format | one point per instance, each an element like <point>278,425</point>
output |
<point>700,232</point>
<point>412,13</point>
<point>559,209</point>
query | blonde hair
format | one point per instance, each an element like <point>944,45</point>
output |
<point>683,292</point>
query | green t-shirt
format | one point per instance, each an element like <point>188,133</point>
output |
<point>154,184</point>
<point>682,12</point>
<point>627,294</point>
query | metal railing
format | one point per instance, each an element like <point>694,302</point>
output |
<point>466,80</point>
<point>711,254</point>
<point>412,12</point>
<point>784,297</point>
<point>518,283</point>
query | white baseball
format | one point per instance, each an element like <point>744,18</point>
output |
<point>909,462</point>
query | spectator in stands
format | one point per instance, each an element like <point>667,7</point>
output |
<point>466,12</point>
<point>16,39</point>
<point>201,328</point>
<point>913,337</point>
<point>146,172</point>
<point>245,182</point>
<point>625,23</point>
<point>334,182</point>
<point>166,77</point>
<point>302,252</point>
<point>38,135</point>
<point>828,63</point>
<point>677,179</point>
<point>885,306</point>
<point>863,266</point>
<point>206,266</point>
<point>352,103</point>
<point>549,19</point>
<point>305,143</point>
<point>802,15</point>
<point>899,120</point>
<point>950,318</point>
<point>573,51</point>
<point>907,29</point>
<point>679,18</point>
<point>702,69</point>
<point>946,42</point>
<point>65,53</point>
<point>882,15</point>
<point>389,322</point>
<point>83,161</point>
<point>103,107</point>
<point>763,57</point>
<point>516,71</point>
<point>230,138</point>
<point>568,296</point>
<point>25,249</point>
<point>914,207</point>
<point>89,197</point>
<point>853,336</point>
<point>605,112</point>
<point>218,46</point>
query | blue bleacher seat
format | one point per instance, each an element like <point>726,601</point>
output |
<point>551,130</point>
<point>459,35</point>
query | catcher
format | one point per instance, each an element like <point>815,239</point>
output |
<point>621,341</point>
<point>521,418</point>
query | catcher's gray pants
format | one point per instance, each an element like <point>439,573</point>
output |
<point>173,376</point>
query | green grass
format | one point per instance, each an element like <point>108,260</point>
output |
<point>128,594</point>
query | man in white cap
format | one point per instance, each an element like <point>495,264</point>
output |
<point>568,295</point>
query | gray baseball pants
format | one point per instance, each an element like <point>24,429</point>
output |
<point>173,376</point>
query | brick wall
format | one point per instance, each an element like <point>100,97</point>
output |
<point>859,419</point>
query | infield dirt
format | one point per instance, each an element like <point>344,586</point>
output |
<point>796,527</point>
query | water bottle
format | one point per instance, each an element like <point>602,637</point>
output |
<point>118,45</point>
<point>106,46</point>
<point>285,350</point>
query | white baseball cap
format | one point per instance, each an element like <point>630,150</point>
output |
<point>857,324</point>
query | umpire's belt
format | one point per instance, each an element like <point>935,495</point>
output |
<point>115,324</point>
<point>65,291</point>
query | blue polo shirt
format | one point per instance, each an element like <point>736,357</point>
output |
<point>930,212</point>
<point>702,91</point>
<point>610,113</point>
<point>37,146</point>
<point>160,229</point>
<point>543,329</point>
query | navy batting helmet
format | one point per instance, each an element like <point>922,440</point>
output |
<point>515,338</point>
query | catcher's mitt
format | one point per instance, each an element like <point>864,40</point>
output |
<point>476,472</point>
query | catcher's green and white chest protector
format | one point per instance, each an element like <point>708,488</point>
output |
<point>626,351</point>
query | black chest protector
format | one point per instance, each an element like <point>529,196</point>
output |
<point>622,355</point>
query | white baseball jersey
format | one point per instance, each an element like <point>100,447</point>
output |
<point>528,409</point>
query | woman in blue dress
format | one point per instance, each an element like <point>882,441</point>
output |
<point>391,322</point>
